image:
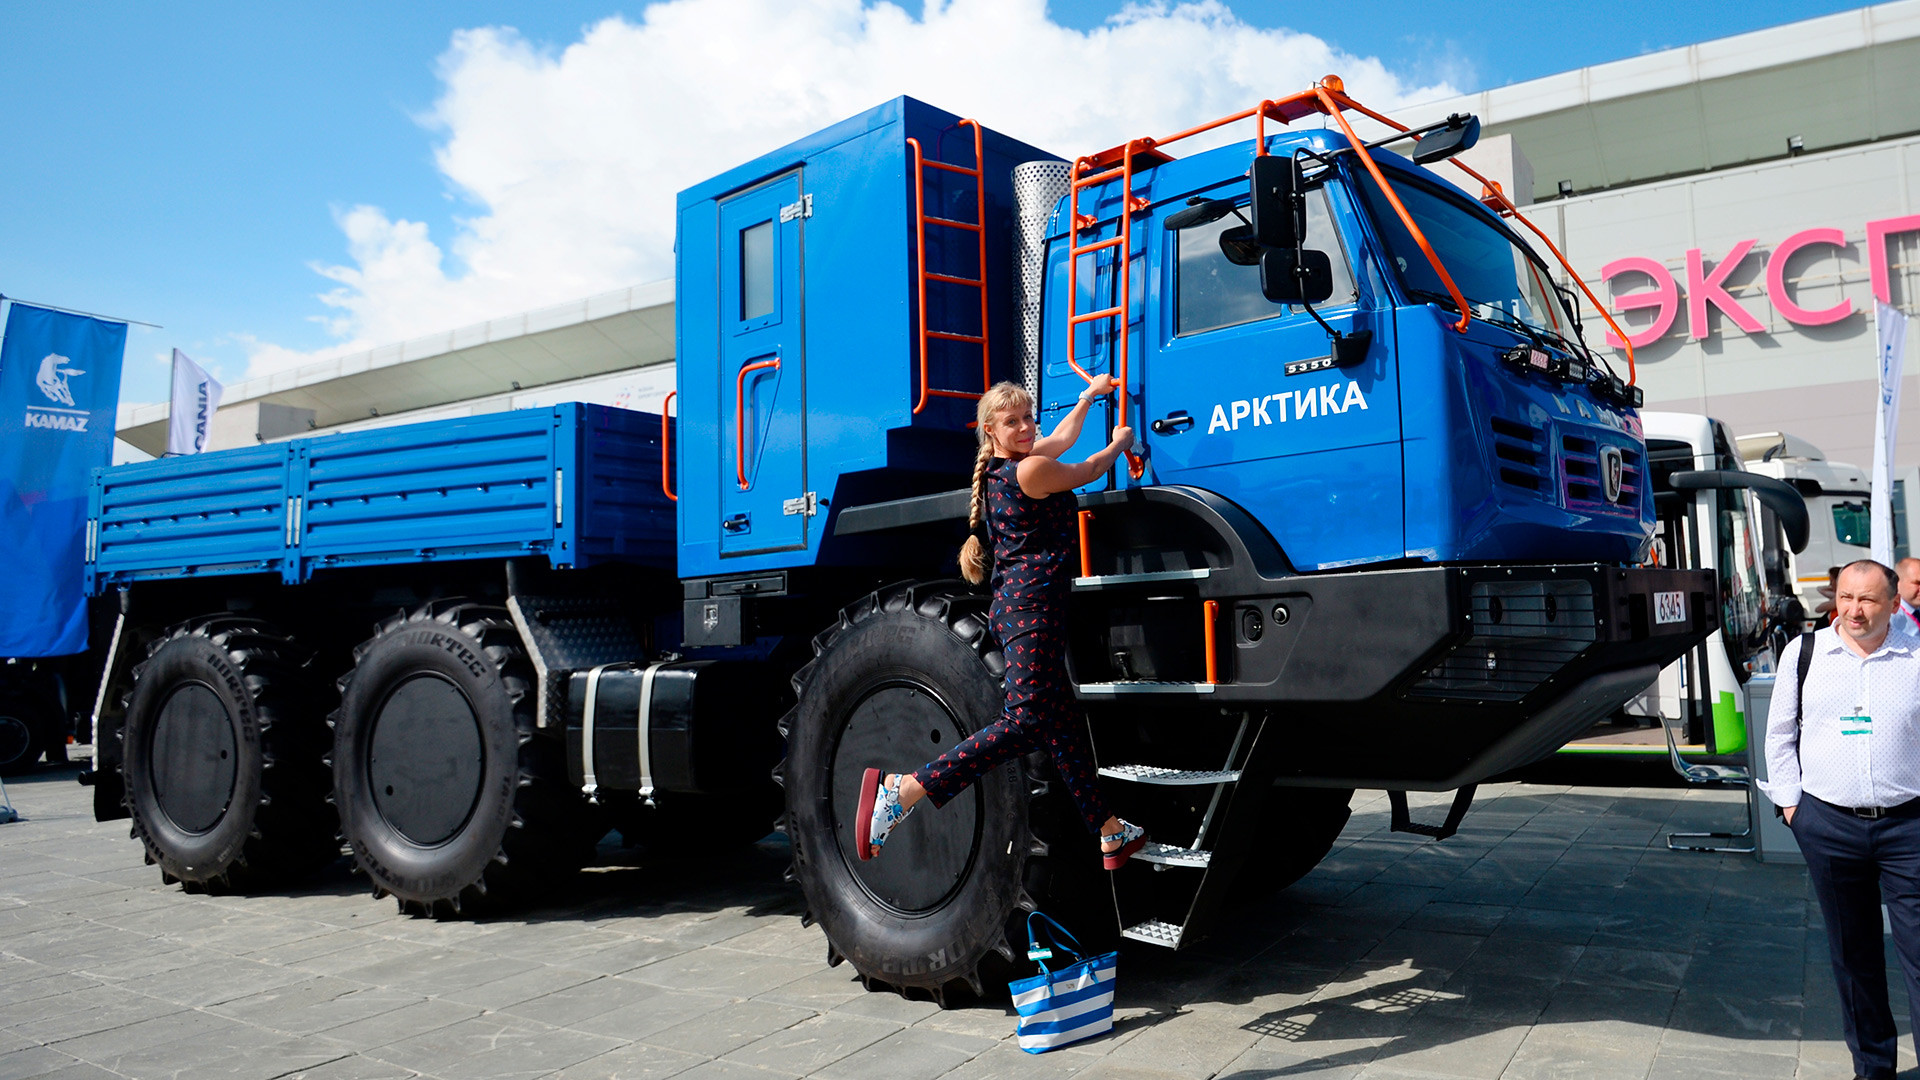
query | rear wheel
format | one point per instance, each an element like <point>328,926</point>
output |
<point>1306,823</point>
<point>222,757</point>
<point>447,794</point>
<point>904,675</point>
<point>27,723</point>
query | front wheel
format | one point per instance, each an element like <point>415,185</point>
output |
<point>903,675</point>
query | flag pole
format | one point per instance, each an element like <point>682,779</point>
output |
<point>76,311</point>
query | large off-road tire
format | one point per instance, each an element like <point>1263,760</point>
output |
<point>28,723</point>
<point>902,676</point>
<point>448,797</point>
<point>222,756</point>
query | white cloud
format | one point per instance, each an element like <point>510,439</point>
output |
<point>573,157</point>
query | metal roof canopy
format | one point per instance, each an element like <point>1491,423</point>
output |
<point>613,331</point>
<point>1834,81</point>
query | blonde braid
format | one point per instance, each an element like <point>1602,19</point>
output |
<point>973,554</point>
<point>999,396</point>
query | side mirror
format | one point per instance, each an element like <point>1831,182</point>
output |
<point>1238,246</point>
<point>1278,206</point>
<point>1296,275</point>
<point>1199,211</point>
<point>1460,133</point>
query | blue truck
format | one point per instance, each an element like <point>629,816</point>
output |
<point>1385,527</point>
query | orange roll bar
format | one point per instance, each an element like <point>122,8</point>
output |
<point>1327,97</point>
<point>666,446</point>
<point>1212,610</point>
<point>740,416</point>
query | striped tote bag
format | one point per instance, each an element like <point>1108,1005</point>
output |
<point>1066,1005</point>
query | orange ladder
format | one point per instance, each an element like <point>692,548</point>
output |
<point>978,227</point>
<point>1118,163</point>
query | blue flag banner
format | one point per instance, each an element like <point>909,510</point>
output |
<point>59,393</point>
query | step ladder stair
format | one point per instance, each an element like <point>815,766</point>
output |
<point>1155,932</point>
<point>1163,856</point>
<point>1154,774</point>
<point>1144,686</point>
<point>1151,577</point>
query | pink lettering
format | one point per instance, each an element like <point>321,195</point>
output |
<point>1877,233</point>
<point>1704,288</point>
<point>1665,296</point>
<point>1777,279</point>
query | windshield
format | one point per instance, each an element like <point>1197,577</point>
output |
<point>1501,280</point>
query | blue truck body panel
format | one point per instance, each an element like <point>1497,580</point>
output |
<point>1452,457</point>
<point>838,313</point>
<point>577,484</point>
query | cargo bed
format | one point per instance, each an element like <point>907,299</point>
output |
<point>579,484</point>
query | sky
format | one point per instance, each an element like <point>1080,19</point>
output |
<point>278,183</point>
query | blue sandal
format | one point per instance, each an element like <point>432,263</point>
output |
<point>879,811</point>
<point>1131,838</point>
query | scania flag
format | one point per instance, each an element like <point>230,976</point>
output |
<point>59,391</point>
<point>196,397</point>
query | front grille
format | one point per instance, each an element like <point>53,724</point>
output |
<point>1585,485</point>
<point>1519,452</point>
<point>1523,632</point>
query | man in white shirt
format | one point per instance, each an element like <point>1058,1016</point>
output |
<point>1844,762</point>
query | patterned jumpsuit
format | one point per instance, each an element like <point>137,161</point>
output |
<point>1034,552</point>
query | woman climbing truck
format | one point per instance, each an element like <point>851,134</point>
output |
<point>1023,501</point>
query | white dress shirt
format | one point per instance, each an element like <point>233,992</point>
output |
<point>1858,740</point>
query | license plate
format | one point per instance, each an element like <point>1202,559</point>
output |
<point>1669,607</point>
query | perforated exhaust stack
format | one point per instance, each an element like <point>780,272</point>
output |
<point>1038,186</point>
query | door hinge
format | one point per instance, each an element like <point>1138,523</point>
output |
<point>801,209</point>
<point>806,505</point>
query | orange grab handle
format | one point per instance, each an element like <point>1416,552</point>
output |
<point>740,417</point>
<point>1086,557</point>
<point>1213,668</point>
<point>666,446</point>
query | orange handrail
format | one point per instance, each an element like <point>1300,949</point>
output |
<point>1081,178</point>
<point>666,446</point>
<point>1212,613</point>
<point>922,276</point>
<point>1086,556</point>
<point>740,416</point>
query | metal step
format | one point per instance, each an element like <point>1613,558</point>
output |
<point>1109,581</point>
<point>1154,774</point>
<point>1168,855</point>
<point>1155,932</point>
<point>1144,686</point>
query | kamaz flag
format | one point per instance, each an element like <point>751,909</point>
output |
<point>59,392</point>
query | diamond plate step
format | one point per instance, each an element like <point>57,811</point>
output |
<point>1109,581</point>
<point>1154,774</point>
<point>1169,855</point>
<point>1144,686</point>
<point>1154,932</point>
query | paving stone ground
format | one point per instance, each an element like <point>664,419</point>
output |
<point>1555,936</point>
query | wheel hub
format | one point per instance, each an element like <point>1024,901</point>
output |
<point>898,728</point>
<point>426,759</point>
<point>194,758</point>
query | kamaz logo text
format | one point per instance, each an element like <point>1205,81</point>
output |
<point>58,421</point>
<point>1273,408</point>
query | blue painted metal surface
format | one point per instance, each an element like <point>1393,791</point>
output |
<point>1430,450</point>
<point>839,316</point>
<point>578,484</point>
